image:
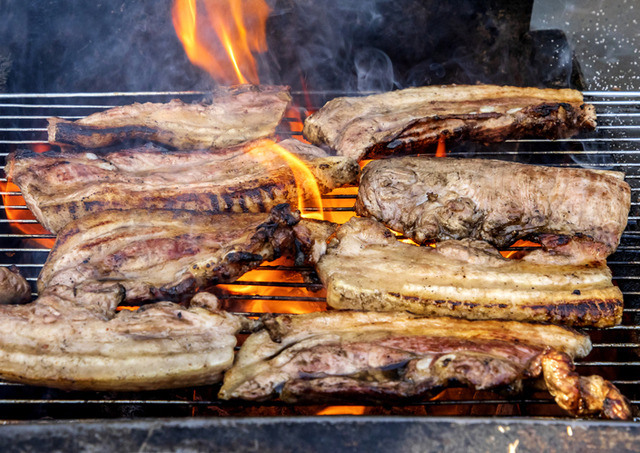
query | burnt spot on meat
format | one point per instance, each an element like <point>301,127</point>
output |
<point>598,313</point>
<point>214,206</point>
<point>228,201</point>
<point>238,257</point>
<point>240,201</point>
<point>549,109</point>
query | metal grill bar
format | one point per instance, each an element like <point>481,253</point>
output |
<point>612,146</point>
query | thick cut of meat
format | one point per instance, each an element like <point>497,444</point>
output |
<point>14,289</point>
<point>73,338</point>
<point>234,115</point>
<point>498,202</point>
<point>366,268</point>
<point>413,118</point>
<point>382,357</point>
<point>60,187</point>
<point>158,254</point>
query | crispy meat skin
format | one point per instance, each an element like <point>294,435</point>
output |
<point>73,339</point>
<point>159,254</point>
<point>366,268</point>
<point>234,115</point>
<point>582,395</point>
<point>14,289</point>
<point>60,187</point>
<point>379,357</point>
<point>413,118</point>
<point>498,202</point>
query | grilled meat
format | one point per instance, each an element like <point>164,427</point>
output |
<point>235,115</point>
<point>14,289</point>
<point>498,202</point>
<point>160,254</point>
<point>60,187</point>
<point>73,338</point>
<point>582,395</point>
<point>414,118</point>
<point>366,268</point>
<point>380,357</point>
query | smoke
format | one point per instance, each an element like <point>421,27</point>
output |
<point>374,70</point>
<point>321,45</point>
<point>350,45</point>
<point>68,46</point>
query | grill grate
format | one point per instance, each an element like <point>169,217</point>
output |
<point>616,353</point>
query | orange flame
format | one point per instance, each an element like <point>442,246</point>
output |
<point>441,151</point>
<point>514,254</point>
<point>306,184</point>
<point>297,292</point>
<point>18,214</point>
<point>342,410</point>
<point>220,35</point>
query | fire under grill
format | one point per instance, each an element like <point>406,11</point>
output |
<point>281,287</point>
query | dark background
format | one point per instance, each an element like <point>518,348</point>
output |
<point>350,45</point>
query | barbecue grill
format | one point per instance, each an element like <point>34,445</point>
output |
<point>283,287</point>
<point>193,419</point>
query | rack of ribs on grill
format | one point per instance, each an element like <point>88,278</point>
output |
<point>345,356</point>
<point>367,268</point>
<point>411,119</point>
<point>499,202</point>
<point>254,177</point>
<point>233,116</point>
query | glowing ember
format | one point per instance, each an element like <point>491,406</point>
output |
<point>220,35</point>
<point>342,410</point>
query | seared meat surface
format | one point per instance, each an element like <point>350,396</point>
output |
<point>234,115</point>
<point>366,268</point>
<point>14,289</point>
<point>60,187</point>
<point>582,395</point>
<point>159,254</point>
<point>498,202</point>
<point>73,339</point>
<point>414,118</point>
<point>382,357</point>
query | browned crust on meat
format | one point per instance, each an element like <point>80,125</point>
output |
<point>60,187</point>
<point>496,201</point>
<point>411,120</point>
<point>366,269</point>
<point>387,357</point>
<point>156,254</point>
<point>582,395</point>
<point>234,115</point>
<point>595,312</point>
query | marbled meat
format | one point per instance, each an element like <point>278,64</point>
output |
<point>234,115</point>
<point>412,119</point>
<point>339,356</point>
<point>59,187</point>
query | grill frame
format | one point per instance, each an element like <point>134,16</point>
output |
<point>613,144</point>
